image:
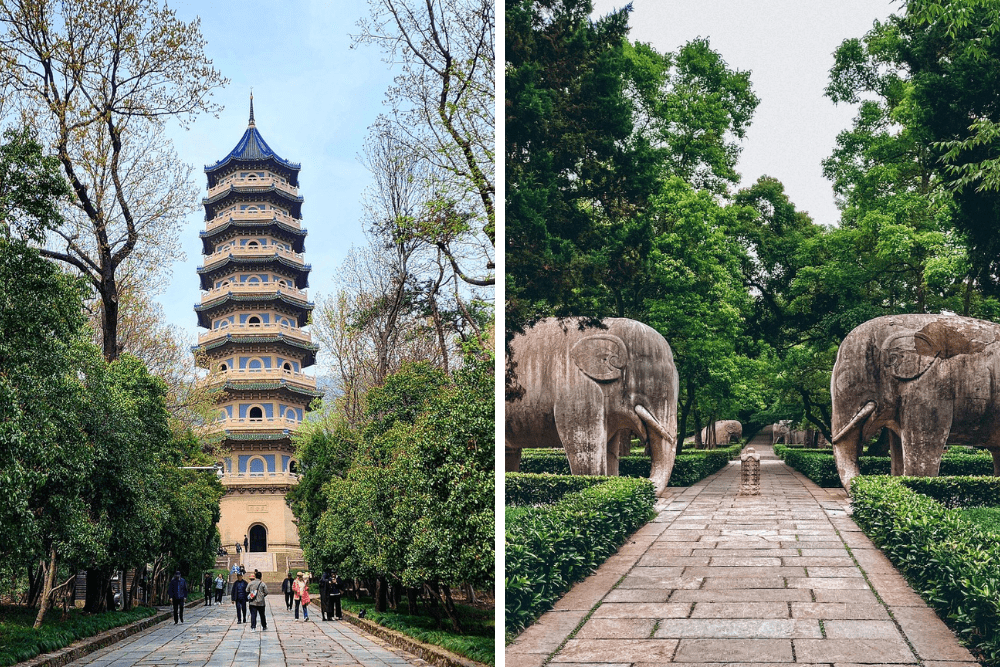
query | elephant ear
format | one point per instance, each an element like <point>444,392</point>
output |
<point>602,357</point>
<point>910,354</point>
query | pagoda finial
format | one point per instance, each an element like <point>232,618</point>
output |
<point>252,124</point>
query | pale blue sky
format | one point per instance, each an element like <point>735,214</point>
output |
<point>788,46</point>
<point>314,98</point>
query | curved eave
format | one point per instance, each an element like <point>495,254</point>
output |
<point>251,148</point>
<point>274,228</point>
<point>270,194</point>
<point>231,166</point>
<point>296,271</point>
<point>205,310</point>
<point>279,385</point>
<point>237,341</point>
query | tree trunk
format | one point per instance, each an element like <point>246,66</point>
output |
<point>381,594</point>
<point>97,585</point>
<point>449,608</point>
<point>109,320</point>
<point>682,426</point>
<point>46,589</point>
<point>36,576</point>
<point>411,599</point>
<point>436,314</point>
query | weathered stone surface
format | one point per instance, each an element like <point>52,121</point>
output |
<point>586,388</point>
<point>616,650</point>
<point>928,378</point>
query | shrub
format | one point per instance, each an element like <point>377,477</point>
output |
<point>950,561</point>
<point>958,491</point>
<point>819,465</point>
<point>689,468</point>
<point>544,488</point>
<point>550,548</point>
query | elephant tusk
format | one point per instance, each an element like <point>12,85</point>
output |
<point>650,421</point>
<point>862,415</point>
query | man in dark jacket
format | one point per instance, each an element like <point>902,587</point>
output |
<point>246,544</point>
<point>324,595</point>
<point>286,588</point>
<point>207,584</point>
<point>178,591</point>
<point>239,596</point>
<point>334,591</point>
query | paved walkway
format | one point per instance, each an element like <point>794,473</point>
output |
<point>210,637</point>
<point>784,577</point>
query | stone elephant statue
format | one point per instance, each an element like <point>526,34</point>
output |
<point>588,388</point>
<point>928,379</point>
<point>725,431</point>
<point>782,431</point>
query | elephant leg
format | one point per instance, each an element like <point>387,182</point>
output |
<point>924,430</point>
<point>895,451</point>
<point>583,432</point>
<point>996,461</point>
<point>512,459</point>
<point>617,447</point>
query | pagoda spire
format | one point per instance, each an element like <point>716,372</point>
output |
<point>252,124</point>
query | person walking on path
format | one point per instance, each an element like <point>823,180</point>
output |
<point>334,592</point>
<point>239,597</point>
<point>178,591</point>
<point>246,544</point>
<point>286,588</point>
<point>256,592</point>
<point>324,596</point>
<point>220,588</point>
<point>297,587</point>
<point>207,586</point>
<point>304,596</point>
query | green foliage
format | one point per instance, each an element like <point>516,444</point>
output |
<point>958,491</point>
<point>476,641</point>
<point>950,562</point>
<point>820,466</point>
<point>550,548</point>
<point>689,467</point>
<point>18,642</point>
<point>31,184</point>
<point>409,494</point>
<point>987,518</point>
<point>543,489</point>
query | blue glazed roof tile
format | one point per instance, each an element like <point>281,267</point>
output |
<point>252,147</point>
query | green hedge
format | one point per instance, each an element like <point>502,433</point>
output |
<point>689,467</point>
<point>544,488</point>
<point>949,561</point>
<point>550,548</point>
<point>957,492</point>
<point>18,642</point>
<point>820,467</point>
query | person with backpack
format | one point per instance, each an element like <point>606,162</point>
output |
<point>256,592</point>
<point>178,592</point>
<point>239,597</point>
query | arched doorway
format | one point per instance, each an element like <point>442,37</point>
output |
<point>258,538</point>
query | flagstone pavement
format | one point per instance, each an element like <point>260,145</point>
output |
<point>210,637</point>
<point>783,577</point>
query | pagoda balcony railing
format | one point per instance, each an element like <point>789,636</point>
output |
<point>253,424</point>
<point>262,375</point>
<point>253,215</point>
<point>252,251</point>
<point>253,288</point>
<point>260,478</point>
<point>270,329</point>
<point>252,183</point>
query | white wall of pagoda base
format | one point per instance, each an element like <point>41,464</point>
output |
<point>241,511</point>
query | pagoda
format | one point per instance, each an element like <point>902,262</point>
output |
<point>254,308</point>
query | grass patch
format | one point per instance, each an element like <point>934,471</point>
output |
<point>18,642</point>
<point>477,643</point>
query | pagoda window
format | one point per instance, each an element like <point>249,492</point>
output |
<point>255,365</point>
<point>293,467</point>
<point>253,244</point>
<point>253,319</point>
<point>291,414</point>
<point>287,366</point>
<point>251,177</point>
<point>256,467</point>
<point>256,412</point>
<point>253,280</point>
<point>223,368</point>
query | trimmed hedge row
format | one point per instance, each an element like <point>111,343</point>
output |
<point>820,467</point>
<point>544,488</point>
<point>550,548</point>
<point>955,492</point>
<point>950,562</point>
<point>689,467</point>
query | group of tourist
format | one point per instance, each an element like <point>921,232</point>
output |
<point>252,594</point>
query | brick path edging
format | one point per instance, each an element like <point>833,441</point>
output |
<point>86,646</point>
<point>432,654</point>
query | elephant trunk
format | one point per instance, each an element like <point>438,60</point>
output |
<point>847,443</point>
<point>663,455</point>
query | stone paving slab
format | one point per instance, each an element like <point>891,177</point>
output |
<point>728,580</point>
<point>210,637</point>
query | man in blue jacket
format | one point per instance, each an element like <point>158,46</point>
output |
<point>178,591</point>
<point>239,596</point>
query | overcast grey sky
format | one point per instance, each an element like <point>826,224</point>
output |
<point>788,47</point>
<point>314,98</point>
